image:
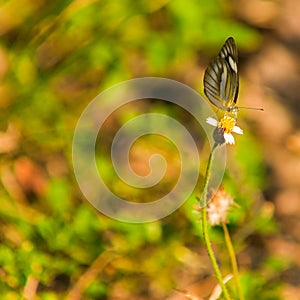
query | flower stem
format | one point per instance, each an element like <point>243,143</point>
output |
<point>233,261</point>
<point>203,204</point>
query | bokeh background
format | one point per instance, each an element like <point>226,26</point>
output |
<point>55,56</point>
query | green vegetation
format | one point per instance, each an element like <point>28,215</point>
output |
<point>55,57</point>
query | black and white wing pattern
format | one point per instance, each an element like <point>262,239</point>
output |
<point>221,80</point>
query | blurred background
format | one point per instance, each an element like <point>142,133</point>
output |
<point>55,57</point>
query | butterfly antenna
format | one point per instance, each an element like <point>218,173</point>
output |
<point>253,108</point>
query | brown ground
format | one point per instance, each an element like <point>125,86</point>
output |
<point>274,77</point>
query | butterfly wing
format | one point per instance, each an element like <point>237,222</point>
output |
<point>221,82</point>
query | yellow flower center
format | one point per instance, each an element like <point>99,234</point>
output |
<point>227,123</point>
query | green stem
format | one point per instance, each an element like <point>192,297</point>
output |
<point>233,261</point>
<point>203,204</point>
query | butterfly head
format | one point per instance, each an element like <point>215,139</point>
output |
<point>233,111</point>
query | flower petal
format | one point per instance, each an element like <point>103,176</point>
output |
<point>237,129</point>
<point>229,139</point>
<point>211,121</point>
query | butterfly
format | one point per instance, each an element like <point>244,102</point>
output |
<point>221,78</point>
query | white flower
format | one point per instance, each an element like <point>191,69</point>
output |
<point>212,121</point>
<point>218,207</point>
<point>227,125</point>
<point>229,139</point>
